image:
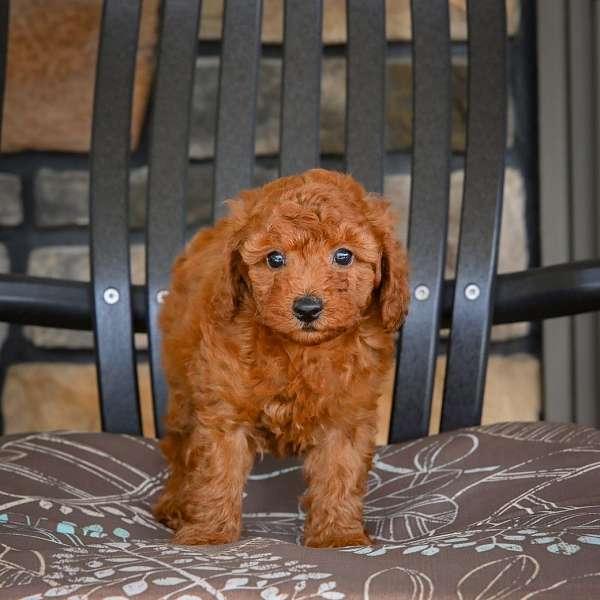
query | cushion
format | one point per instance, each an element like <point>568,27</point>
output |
<point>503,511</point>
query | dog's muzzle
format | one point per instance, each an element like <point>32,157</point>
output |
<point>307,308</point>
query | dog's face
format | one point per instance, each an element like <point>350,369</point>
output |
<point>316,256</point>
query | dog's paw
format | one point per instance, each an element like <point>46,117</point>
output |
<point>167,514</point>
<point>337,539</point>
<point>191,534</point>
<point>171,521</point>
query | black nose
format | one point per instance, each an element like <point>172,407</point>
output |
<point>307,308</point>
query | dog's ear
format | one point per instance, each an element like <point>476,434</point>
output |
<point>230,282</point>
<point>392,274</point>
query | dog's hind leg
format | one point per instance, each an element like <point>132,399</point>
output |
<point>167,508</point>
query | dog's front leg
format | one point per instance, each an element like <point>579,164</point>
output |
<point>336,471</point>
<point>210,497</point>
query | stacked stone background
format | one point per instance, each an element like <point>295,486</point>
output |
<point>50,73</point>
<point>50,395</point>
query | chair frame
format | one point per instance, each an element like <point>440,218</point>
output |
<point>114,308</point>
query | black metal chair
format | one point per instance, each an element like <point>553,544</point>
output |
<point>496,509</point>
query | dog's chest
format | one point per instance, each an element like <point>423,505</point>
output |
<point>283,428</point>
<point>296,396</point>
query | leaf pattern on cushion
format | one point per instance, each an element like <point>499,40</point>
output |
<point>503,511</point>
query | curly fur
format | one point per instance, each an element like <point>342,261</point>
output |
<point>245,377</point>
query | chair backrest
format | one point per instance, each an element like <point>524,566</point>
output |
<point>365,158</point>
<point>480,220</point>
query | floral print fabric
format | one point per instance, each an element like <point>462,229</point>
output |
<point>502,511</point>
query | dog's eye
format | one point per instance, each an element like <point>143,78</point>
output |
<point>342,256</point>
<point>275,259</point>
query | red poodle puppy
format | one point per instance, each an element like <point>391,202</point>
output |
<point>277,330</point>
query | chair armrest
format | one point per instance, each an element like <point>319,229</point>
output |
<point>543,293</point>
<point>56,302</point>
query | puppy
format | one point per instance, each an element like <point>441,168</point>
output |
<point>277,330</point>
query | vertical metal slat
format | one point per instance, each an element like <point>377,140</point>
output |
<point>109,192</point>
<point>301,86</point>
<point>168,166</point>
<point>481,210</point>
<point>234,155</point>
<point>432,119</point>
<point>365,99</point>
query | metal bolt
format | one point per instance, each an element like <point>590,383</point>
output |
<point>111,295</point>
<point>472,291</point>
<point>161,296</point>
<point>421,292</point>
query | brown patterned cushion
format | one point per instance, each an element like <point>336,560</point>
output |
<point>503,511</point>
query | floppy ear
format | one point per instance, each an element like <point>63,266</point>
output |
<point>229,285</point>
<point>394,292</point>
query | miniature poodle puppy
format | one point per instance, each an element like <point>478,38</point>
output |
<point>278,328</point>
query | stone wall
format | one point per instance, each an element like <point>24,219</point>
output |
<point>52,197</point>
<point>398,23</point>
<point>50,73</point>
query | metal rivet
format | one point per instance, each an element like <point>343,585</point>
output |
<point>421,292</point>
<point>111,295</point>
<point>472,291</point>
<point>161,295</point>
